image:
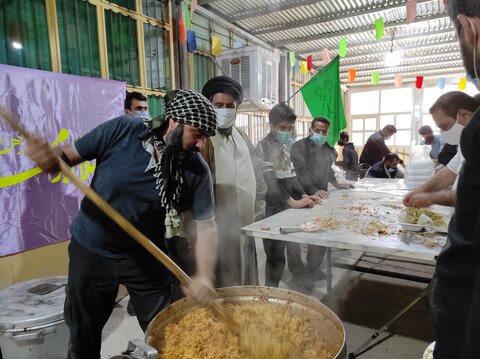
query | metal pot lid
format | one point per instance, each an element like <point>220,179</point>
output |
<point>32,303</point>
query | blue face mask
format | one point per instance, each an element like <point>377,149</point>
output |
<point>318,139</point>
<point>141,114</point>
<point>283,136</point>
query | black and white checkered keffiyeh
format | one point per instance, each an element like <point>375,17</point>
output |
<point>186,108</point>
<point>194,109</point>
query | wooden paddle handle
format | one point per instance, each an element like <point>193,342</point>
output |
<point>107,208</point>
<point>130,229</point>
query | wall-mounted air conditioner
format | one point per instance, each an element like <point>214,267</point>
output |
<point>256,69</point>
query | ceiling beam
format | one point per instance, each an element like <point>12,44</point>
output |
<point>333,17</point>
<point>361,45</point>
<point>266,10</point>
<point>378,66</point>
<point>343,33</point>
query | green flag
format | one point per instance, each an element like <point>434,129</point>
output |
<point>323,97</point>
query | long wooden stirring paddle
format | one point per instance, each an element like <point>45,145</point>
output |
<point>124,224</point>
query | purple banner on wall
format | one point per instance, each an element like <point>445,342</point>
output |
<point>36,209</point>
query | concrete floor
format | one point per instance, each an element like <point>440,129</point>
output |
<point>364,303</point>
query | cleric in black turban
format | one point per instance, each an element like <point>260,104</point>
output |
<point>223,84</point>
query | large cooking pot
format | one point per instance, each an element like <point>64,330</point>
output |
<point>322,318</point>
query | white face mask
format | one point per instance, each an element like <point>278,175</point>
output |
<point>452,136</point>
<point>387,138</point>
<point>225,117</point>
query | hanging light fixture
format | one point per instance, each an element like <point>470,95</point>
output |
<point>393,58</point>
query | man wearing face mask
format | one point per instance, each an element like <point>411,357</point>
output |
<point>283,191</point>
<point>455,304</point>
<point>136,105</point>
<point>312,158</point>
<point>435,141</point>
<point>386,168</point>
<point>236,176</point>
<point>375,148</point>
<point>451,112</point>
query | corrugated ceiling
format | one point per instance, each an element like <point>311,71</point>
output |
<point>307,27</point>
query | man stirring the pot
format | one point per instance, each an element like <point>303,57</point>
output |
<point>149,175</point>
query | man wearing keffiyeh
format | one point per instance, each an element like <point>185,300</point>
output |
<point>145,171</point>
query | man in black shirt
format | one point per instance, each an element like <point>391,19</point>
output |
<point>375,148</point>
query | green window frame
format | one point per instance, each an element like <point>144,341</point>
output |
<point>122,48</point>
<point>157,58</point>
<point>127,4</point>
<point>156,105</point>
<point>78,35</point>
<point>24,23</point>
<point>202,70</point>
<point>157,9</point>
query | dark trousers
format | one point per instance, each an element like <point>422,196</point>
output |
<point>275,264</point>
<point>315,255</point>
<point>92,287</point>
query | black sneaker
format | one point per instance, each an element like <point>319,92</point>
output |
<point>130,309</point>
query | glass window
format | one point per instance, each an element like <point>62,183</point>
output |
<point>78,35</point>
<point>157,58</point>
<point>122,47</point>
<point>403,122</point>
<point>428,120</point>
<point>371,124</point>
<point>357,124</point>
<point>396,100</point>
<point>156,9</point>
<point>402,138</point>
<point>24,37</point>
<point>357,138</point>
<point>387,120</point>
<point>129,4</point>
<point>364,103</point>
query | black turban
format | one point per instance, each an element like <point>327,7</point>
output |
<point>223,84</point>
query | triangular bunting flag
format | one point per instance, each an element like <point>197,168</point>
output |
<point>303,68</point>
<point>342,48</point>
<point>325,57</point>
<point>441,83</point>
<point>462,84</point>
<point>188,24</point>
<point>352,75</point>
<point>216,45</point>
<point>292,58</point>
<point>419,82</point>
<point>193,6</point>
<point>191,41</point>
<point>183,32</point>
<point>411,11</point>
<point>309,63</point>
<point>398,80</point>
<point>379,28</point>
<point>375,77</point>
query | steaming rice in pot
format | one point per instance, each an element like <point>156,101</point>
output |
<point>266,330</point>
